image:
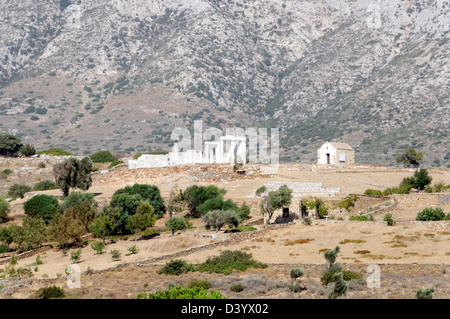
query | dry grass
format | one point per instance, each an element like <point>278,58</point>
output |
<point>353,241</point>
<point>299,241</point>
<point>362,252</point>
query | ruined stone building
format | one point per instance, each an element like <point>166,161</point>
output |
<point>333,153</point>
<point>228,149</point>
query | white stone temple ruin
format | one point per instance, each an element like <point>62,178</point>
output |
<point>228,149</point>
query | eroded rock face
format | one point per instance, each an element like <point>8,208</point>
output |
<point>362,71</point>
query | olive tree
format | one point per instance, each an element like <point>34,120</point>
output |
<point>176,223</point>
<point>276,200</point>
<point>73,173</point>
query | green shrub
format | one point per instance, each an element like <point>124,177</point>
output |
<point>340,287</point>
<point>41,165</point>
<point>201,283</point>
<point>215,219</point>
<point>347,202</point>
<point>295,287</point>
<point>18,190</point>
<point>307,221</point>
<point>176,267</point>
<point>115,254</point>
<point>4,248</point>
<point>55,152</point>
<point>297,273</point>
<point>260,190</point>
<point>27,150</point>
<point>45,185</point>
<point>6,172</point>
<point>178,292</point>
<point>229,260</point>
<point>75,255</point>
<point>150,193</point>
<point>4,210</point>
<point>133,250</point>
<point>103,157</point>
<point>348,275</point>
<point>425,293</point>
<point>373,192</point>
<point>361,218</point>
<point>9,145</point>
<point>389,219</point>
<point>241,229</point>
<point>76,199</point>
<point>41,206</point>
<point>431,214</point>
<point>236,287</point>
<point>99,247</point>
<point>52,292</point>
<point>176,223</point>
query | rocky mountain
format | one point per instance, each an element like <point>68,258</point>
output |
<point>120,75</point>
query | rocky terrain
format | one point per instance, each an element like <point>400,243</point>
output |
<point>120,75</point>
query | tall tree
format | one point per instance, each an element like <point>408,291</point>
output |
<point>73,173</point>
<point>410,157</point>
<point>10,145</point>
<point>276,200</point>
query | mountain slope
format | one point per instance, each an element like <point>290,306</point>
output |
<point>121,74</point>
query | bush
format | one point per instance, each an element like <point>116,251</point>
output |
<point>373,192</point>
<point>52,292</point>
<point>236,287</point>
<point>229,260</point>
<point>4,248</point>
<point>75,255</point>
<point>419,181</point>
<point>176,267</point>
<point>340,287</point>
<point>260,190</point>
<point>76,199</point>
<point>18,190</point>
<point>425,293</point>
<point>66,229</point>
<point>55,152</point>
<point>45,185</point>
<point>295,287</point>
<point>200,283</point>
<point>431,214</point>
<point>389,219</point>
<point>178,292</point>
<point>115,254</point>
<point>10,145</point>
<point>347,202</point>
<point>99,247</point>
<point>103,157</point>
<point>149,193</point>
<point>73,173</point>
<point>361,218</point>
<point>217,218</point>
<point>41,165</point>
<point>127,203</point>
<point>4,210</point>
<point>348,275</point>
<point>41,206</point>
<point>30,235</point>
<point>307,221</point>
<point>197,195</point>
<point>27,150</point>
<point>297,273</point>
<point>133,250</point>
<point>176,223</point>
